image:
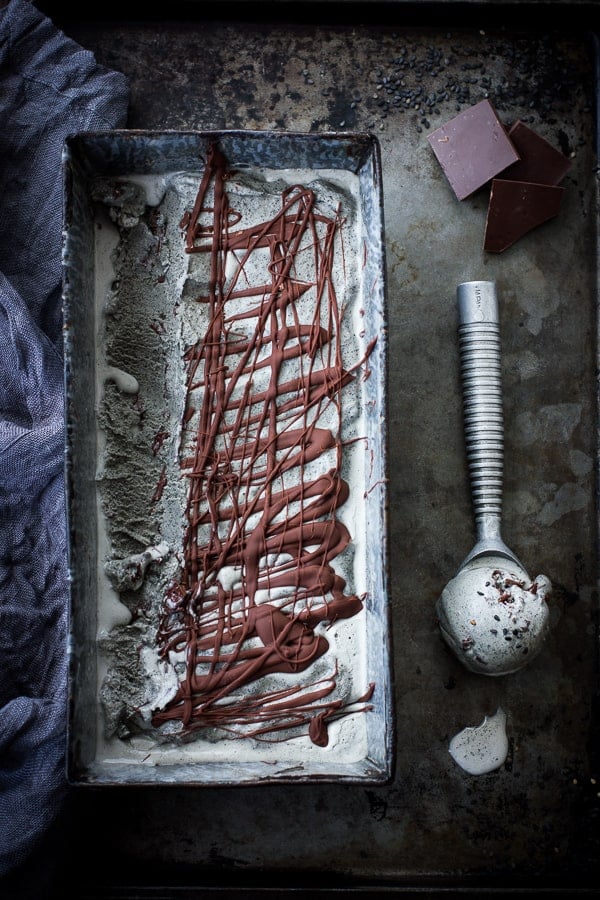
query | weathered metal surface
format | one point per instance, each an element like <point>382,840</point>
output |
<point>534,821</point>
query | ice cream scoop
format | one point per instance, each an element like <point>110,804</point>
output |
<point>492,614</point>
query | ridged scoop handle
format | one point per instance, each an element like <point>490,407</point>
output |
<point>483,415</point>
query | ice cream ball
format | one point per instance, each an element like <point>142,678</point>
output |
<point>493,616</point>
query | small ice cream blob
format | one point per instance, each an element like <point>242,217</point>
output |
<point>123,380</point>
<point>128,574</point>
<point>483,748</point>
<point>494,616</point>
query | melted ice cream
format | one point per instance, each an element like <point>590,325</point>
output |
<point>481,749</point>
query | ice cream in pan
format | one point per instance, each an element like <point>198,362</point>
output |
<point>492,614</point>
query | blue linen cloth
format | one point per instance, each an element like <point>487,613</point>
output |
<point>49,87</point>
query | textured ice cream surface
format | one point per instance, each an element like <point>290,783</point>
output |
<point>227,485</point>
<point>494,616</point>
<point>233,579</point>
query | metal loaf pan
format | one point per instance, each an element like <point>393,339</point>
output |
<point>99,170</point>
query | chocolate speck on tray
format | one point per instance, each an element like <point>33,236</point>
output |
<point>472,148</point>
<point>516,208</point>
<point>540,162</point>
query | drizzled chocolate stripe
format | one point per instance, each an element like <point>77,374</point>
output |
<point>246,430</point>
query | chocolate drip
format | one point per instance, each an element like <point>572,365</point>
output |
<point>248,434</point>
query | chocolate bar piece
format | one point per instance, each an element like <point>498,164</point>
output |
<point>540,162</point>
<point>472,148</point>
<point>515,208</point>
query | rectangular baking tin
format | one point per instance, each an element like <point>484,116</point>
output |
<point>121,154</point>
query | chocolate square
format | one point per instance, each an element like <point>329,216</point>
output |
<point>516,208</point>
<point>472,148</point>
<point>540,162</point>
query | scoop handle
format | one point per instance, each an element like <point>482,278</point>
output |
<point>481,376</point>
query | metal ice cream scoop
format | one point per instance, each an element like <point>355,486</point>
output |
<point>481,375</point>
<point>491,613</point>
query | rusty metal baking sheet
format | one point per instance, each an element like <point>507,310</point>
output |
<point>533,822</point>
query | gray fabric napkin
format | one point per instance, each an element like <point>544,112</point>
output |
<point>49,87</point>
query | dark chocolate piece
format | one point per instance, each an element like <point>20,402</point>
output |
<point>540,162</point>
<point>516,208</point>
<point>473,148</point>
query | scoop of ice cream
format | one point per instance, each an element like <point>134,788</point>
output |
<point>494,616</point>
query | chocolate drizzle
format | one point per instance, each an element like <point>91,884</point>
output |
<point>263,410</point>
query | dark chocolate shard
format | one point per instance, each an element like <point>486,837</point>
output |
<point>472,148</point>
<point>540,162</point>
<point>515,209</point>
